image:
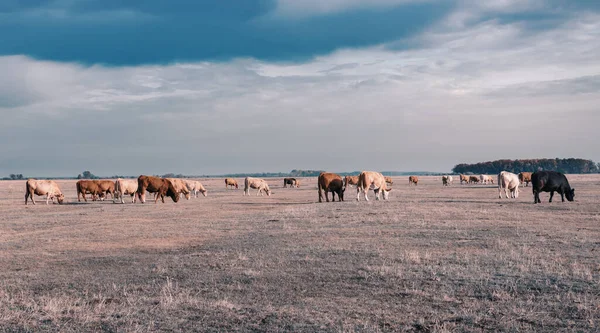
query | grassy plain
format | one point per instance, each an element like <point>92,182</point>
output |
<point>431,259</point>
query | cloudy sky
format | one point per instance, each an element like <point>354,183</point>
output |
<point>220,86</point>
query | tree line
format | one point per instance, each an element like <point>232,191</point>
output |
<point>564,165</point>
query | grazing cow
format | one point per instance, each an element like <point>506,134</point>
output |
<point>256,183</point>
<point>49,188</point>
<point>88,186</point>
<point>464,179</point>
<point>525,177</point>
<point>106,187</point>
<point>124,187</point>
<point>350,180</point>
<point>331,182</point>
<point>447,180</point>
<point>508,181</point>
<point>290,181</point>
<point>389,180</point>
<point>180,186</point>
<point>413,180</point>
<point>486,179</point>
<point>551,181</point>
<point>194,187</point>
<point>473,179</point>
<point>368,179</point>
<point>158,185</point>
<point>231,182</point>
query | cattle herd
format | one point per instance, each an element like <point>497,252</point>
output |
<point>542,181</point>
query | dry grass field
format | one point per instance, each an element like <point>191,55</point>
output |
<point>431,259</point>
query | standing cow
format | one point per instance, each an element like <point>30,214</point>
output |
<point>350,180</point>
<point>88,186</point>
<point>106,187</point>
<point>331,182</point>
<point>231,182</point>
<point>473,179</point>
<point>413,180</point>
<point>124,187</point>
<point>464,179</point>
<point>508,181</point>
<point>486,179</point>
<point>290,181</point>
<point>256,183</point>
<point>446,180</point>
<point>152,184</point>
<point>525,177</point>
<point>194,187</point>
<point>368,179</point>
<point>551,181</point>
<point>49,188</point>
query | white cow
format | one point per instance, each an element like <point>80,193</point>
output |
<point>256,183</point>
<point>447,180</point>
<point>194,187</point>
<point>486,179</point>
<point>508,181</point>
<point>124,187</point>
<point>371,179</point>
<point>49,188</point>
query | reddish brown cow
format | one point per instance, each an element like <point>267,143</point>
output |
<point>231,182</point>
<point>88,186</point>
<point>525,177</point>
<point>152,184</point>
<point>413,180</point>
<point>106,187</point>
<point>330,182</point>
<point>464,179</point>
<point>473,179</point>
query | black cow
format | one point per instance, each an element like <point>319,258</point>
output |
<point>551,181</point>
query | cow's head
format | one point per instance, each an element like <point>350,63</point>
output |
<point>60,198</point>
<point>205,192</point>
<point>236,186</point>
<point>188,196</point>
<point>570,194</point>
<point>172,193</point>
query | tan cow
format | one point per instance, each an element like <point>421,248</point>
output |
<point>49,188</point>
<point>508,181</point>
<point>106,187</point>
<point>88,186</point>
<point>389,180</point>
<point>525,177</point>
<point>124,187</point>
<point>372,179</point>
<point>486,179</point>
<point>447,180</point>
<point>194,187</point>
<point>256,183</point>
<point>350,180</point>
<point>464,179</point>
<point>231,182</point>
<point>413,180</point>
<point>158,185</point>
<point>180,186</point>
<point>331,182</point>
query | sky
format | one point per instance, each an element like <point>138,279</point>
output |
<point>227,86</point>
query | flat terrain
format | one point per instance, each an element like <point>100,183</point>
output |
<point>431,259</point>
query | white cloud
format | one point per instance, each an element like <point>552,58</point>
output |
<point>295,8</point>
<point>479,93</point>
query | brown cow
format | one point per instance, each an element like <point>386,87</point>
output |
<point>413,180</point>
<point>88,186</point>
<point>156,185</point>
<point>291,181</point>
<point>49,188</point>
<point>350,180</point>
<point>372,179</point>
<point>473,179</point>
<point>464,178</point>
<point>525,177</point>
<point>389,180</point>
<point>331,182</point>
<point>231,182</point>
<point>106,187</point>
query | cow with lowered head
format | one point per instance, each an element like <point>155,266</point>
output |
<point>152,184</point>
<point>551,181</point>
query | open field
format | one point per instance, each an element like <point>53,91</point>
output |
<point>431,259</point>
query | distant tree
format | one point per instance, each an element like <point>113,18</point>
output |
<point>565,165</point>
<point>87,175</point>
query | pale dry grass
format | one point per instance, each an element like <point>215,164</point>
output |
<point>431,259</point>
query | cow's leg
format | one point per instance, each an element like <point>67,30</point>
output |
<point>31,195</point>
<point>320,194</point>
<point>332,196</point>
<point>562,195</point>
<point>47,197</point>
<point>551,195</point>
